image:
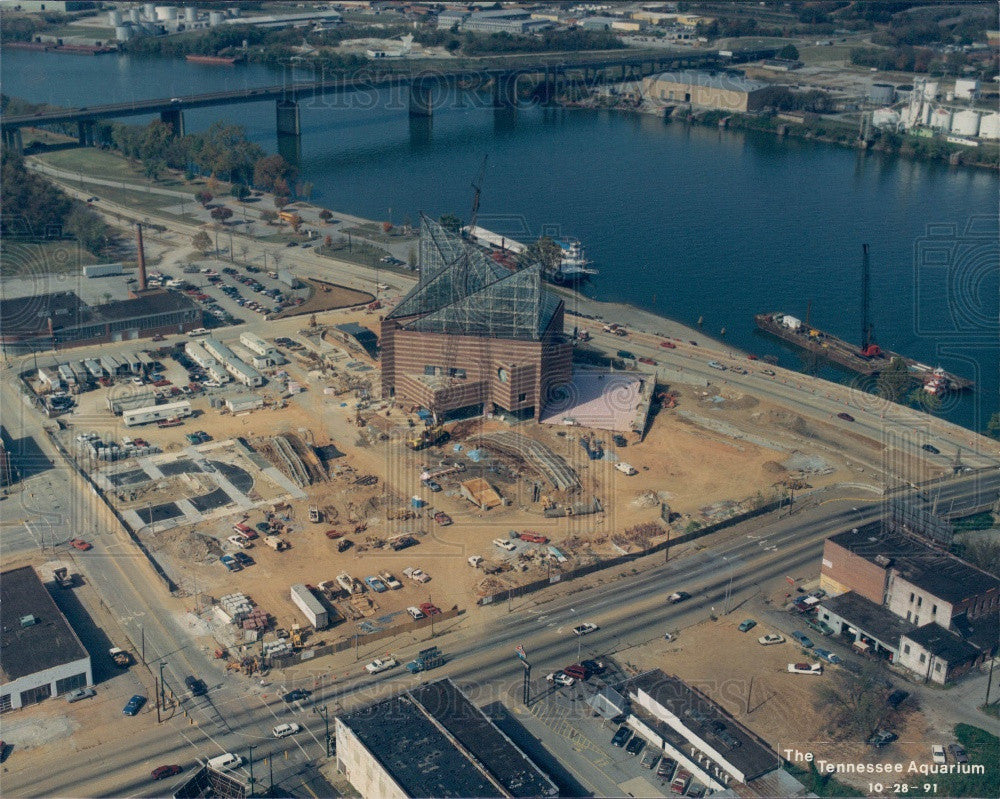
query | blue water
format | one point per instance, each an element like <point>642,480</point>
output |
<point>686,221</point>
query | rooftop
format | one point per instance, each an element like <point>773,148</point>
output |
<point>935,571</point>
<point>47,643</point>
<point>439,744</point>
<point>943,643</point>
<point>874,620</point>
<point>709,722</point>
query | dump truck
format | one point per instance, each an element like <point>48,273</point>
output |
<point>120,657</point>
<point>428,437</point>
<point>277,544</point>
<point>426,659</point>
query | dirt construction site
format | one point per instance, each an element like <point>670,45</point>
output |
<point>477,507</point>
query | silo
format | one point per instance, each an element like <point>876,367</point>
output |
<point>966,88</point>
<point>123,32</point>
<point>148,11</point>
<point>941,119</point>
<point>215,18</point>
<point>965,123</point>
<point>190,14</point>
<point>989,126</point>
<point>166,13</point>
<point>930,90</point>
<point>114,18</point>
<point>135,15</point>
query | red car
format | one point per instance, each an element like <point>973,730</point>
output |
<point>650,361</point>
<point>429,609</point>
<point>79,543</point>
<point>332,534</point>
<point>534,538</point>
<point>442,518</point>
<point>162,772</point>
<point>668,344</point>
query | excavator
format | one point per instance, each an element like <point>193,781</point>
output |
<point>428,437</point>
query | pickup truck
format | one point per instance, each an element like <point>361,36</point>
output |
<point>417,575</point>
<point>376,584</point>
<point>533,538</point>
<point>390,581</point>
<point>504,543</point>
<point>379,665</point>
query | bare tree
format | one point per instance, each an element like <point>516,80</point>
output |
<point>856,704</point>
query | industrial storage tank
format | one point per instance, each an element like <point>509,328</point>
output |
<point>114,18</point>
<point>215,18</point>
<point>989,126</point>
<point>966,88</point>
<point>882,93</point>
<point>965,123</point>
<point>941,119</point>
<point>166,13</point>
<point>148,11</point>
<point>190,14</point>
<point>135,15</point>
<point>930,90</point>
<point>123,32</point>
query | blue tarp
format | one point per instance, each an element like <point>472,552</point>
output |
<point>424,414</point>
<point>474,455</point>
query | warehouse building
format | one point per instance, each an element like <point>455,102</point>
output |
<point>473,337</point>
<point>62,319</point>
<point>721,91</point>
<point>437,744</point>
<point>40,654</point>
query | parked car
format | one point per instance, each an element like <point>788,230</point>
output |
<point>882,738</point>
<point>846,417</point>
<point>417,575</point>
<point>433,485</point>
<point>79,543</point>
<point>958,752</point>
<point>805,668</point>
<point>230,563</point>
<point>195,686</point>
<point>442,518</point>
<point>80,693</point>
<point>938,755</point>
<point>649,758</point>
<point>560,678</point>
<point>803,639</point>
<point>162,772</point>
<point>665,769</point>
<point>593,666</point>
<point>647,361</point>
<point>747,625</point>
<point>820,626</point>
<point>134,705</point>
<point>505,544</point>
<point>635,746</point>
<point>771,638</point>
<point>828,656</point>
<point>585,629</point>
<point>621,737</point>
<point>243,559</point>
<point>296,695</point>
<point>415,613</point>
<point>376,584</point>
<point>379,665</point>
<point>429,609</point>
<point>284,730</point>
<point>931,449</point>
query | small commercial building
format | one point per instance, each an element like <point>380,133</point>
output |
<point>874,629</point>
<point>937,655</point>
<point>242,403</point>
<point>261,348</point>
<point>437,744</point>
<point>127,397</point>
<point>722,91</point>
<point>40,653</point>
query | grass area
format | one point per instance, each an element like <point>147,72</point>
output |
<point>359,253</point>
<point>373,231</point>
<point>102,164</point>
<point>820,784</point>
<point>812,56</point>
<point>979,521</point>
<point>983,749</point>
<point>85,31</point>
<point>992,709</point>
<point>25,257</point>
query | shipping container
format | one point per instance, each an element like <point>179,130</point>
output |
<point>313,609</point>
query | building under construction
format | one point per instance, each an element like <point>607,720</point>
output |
<point>473,337</point>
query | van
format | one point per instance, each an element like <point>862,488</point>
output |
<point>226,762</point>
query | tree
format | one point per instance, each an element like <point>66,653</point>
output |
<point>240,191</point>
<point>221,214</point>
<point>789,52</point>
<point>267,171</point>
<point>212,184</point>
<point>925,401</point>
<point>326,215</point>
<point>268,216</point>
<point>88,228</point>
<point>328,241</point>
<point>204,197</point>
<point>201,242</point>
<point>545,252</point>
<point>853,704</point>
<point>152,168</point>
<point>386,227</point>
<point>451,223</point>
<point>993,426</point>
<point>893,381</point>
<point>27,197</point>
<point>281,200</point>
<point>295,222</point>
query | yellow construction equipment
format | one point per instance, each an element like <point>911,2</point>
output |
<point>428,437</point>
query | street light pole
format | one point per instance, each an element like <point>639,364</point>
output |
<point>323,712</point>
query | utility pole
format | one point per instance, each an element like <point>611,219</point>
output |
<point>251,781</point>
<point>162,701</point>
<point>323,712</point>
<point>142,634</point>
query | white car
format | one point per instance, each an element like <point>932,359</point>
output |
<point>938,755</point>
<point>417,575</point>
<point>238,541</point>
<point>284,730</point>
<point>585,629</point>
<point>805,668</point>
<point>390,581</point>
<point>475,560</point>
<point>559,678</point>
<point>415,612</point>
<point>379,665</point>
<point>771,638</point>
<point>504,543</point>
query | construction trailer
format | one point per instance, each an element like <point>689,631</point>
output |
<point>306,601</point>
<point>129,398</point>
<point>156,413</point>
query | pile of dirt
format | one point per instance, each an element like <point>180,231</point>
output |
<point>773,467</point>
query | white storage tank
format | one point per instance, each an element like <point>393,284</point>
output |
<point>885,118</point>
<point>989,126</point>
<point>135,15</point>
<point>941,119</point>
<point>166,13</point>
<point>149,11</point>
<point>215,18</point>
<point>114,18</point>
<point>123,32</point>
<point>965,123</point>
<point>930,90</point>
<point>190,14</point>
<point>966,89</point>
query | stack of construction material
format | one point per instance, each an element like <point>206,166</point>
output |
<point>237,606</point>
<point>256,619</point>
<point>277,648</point>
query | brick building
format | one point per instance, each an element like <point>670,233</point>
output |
<point>473,337</point>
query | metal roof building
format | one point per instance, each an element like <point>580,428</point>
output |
<point>437,744</point>
<point>40,654</point>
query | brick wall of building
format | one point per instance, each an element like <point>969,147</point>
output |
<point>844,571</point>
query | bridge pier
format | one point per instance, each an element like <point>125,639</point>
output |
<point>421,102</point>
<point>85,133</point>
<point>12,140</point>
<point>287,117</point>
<point>505,90</point>
<point>173,117</point>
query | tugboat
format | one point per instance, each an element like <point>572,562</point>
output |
<point>574,264</point>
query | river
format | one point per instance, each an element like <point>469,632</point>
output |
<point>685,221</point>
